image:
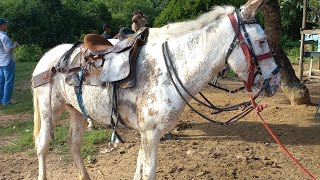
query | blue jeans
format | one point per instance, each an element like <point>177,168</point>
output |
<point>7,82</point>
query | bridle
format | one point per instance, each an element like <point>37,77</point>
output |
<point>252,60</point>
<point>247,48</point>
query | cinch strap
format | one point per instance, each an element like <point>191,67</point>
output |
<point>78,90</point>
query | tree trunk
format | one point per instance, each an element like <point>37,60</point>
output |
<point>296,91</point>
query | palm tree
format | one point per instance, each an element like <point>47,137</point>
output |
<point>296,91</point>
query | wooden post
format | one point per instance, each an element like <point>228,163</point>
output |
<point>302,40</point>
<point>310,69</point>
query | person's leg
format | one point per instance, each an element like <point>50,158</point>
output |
<point>1,84</point>
<point>9,72</point>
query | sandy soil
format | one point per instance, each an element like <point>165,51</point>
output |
<point>202,150</point>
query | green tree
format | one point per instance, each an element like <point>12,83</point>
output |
<point>50,22</point>
<point>291,17</point>
<point>122,11</point>
<point>179,10</point>
<point>314,13</point>
<point>88,16</point>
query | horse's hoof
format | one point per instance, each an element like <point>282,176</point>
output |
<point>167,136</point>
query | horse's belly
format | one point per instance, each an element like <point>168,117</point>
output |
<point>96,102</point>
<point>102,117</point>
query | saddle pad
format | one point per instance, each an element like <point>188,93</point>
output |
<point>116,66</point>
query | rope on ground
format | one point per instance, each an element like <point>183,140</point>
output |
<point>258,109</point>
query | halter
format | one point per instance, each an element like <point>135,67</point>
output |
<point>252,61</point>
<point>247,48</point>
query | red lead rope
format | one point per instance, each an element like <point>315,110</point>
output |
<point>258,109</point>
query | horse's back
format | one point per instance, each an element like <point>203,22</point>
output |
<point>50,57</point>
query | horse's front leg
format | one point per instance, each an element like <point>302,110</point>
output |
<point>77,128</point>
<point>147,157</point>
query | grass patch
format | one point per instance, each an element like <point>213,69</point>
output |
<point>23,143</point>
<point>24,71</point>
<point>22,135</point>
<point>231,74</point>
<point>16,129</point>
<point>93,138</point>
<point>61,139</point>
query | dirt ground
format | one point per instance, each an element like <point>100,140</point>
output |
<point>200,149</point>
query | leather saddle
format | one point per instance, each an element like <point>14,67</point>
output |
<point>119,59</point>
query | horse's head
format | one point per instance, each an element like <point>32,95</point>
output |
<point>250,55</point>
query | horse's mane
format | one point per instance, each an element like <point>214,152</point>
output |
<point>181,28</point>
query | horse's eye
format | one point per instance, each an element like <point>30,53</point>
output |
<point>261,43</point>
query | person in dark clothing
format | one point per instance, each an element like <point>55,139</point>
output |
<point>106,31</point>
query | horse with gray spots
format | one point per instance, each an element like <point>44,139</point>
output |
<point>198,50</point>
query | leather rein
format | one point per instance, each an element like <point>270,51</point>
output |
<point>252,61</point>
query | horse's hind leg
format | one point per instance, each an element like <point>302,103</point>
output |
<point>42,144</point>
<point>44,120</point>
<point>77,128</point>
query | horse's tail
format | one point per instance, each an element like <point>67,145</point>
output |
<point>36,118</point>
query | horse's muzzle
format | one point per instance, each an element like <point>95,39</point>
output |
<point>273,85</point>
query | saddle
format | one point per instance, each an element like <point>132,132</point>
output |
<point>119,59</point>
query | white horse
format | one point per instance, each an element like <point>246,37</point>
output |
<point>198,49</point>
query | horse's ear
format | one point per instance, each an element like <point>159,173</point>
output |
<point>250,9</point>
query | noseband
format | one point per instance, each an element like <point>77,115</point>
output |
<point>247,48</point>
<point>251,59</point>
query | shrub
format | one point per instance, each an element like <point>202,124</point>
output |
<point>291,47</point>
<point>27,53</point>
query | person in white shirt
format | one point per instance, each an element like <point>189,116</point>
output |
<point>7,64</point>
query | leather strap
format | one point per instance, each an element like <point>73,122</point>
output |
<point>246,51</point>
<point>264,56</point>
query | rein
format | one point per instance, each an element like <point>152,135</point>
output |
<point>258,109</point>
<point>250,56</point>
<point>169,64</point>
<point>227,90</point>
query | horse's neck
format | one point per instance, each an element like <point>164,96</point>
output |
<point>199,55</point>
